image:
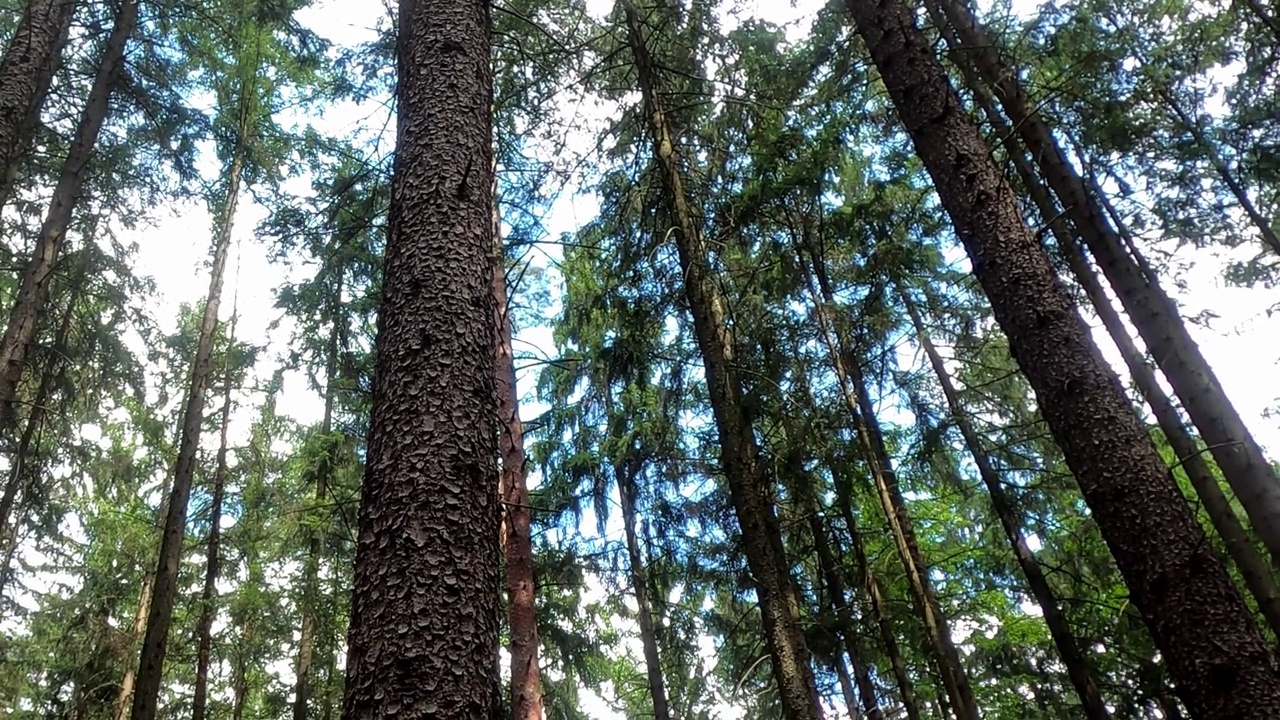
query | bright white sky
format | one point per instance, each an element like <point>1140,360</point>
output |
<point>1241,345</point>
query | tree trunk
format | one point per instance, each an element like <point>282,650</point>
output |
<point>208,595</point>
<point>128,682</point>
<point>315,541</point>
<point>1002,505</point>
<point>876,456</point>
<point>1153,312</point>
<point>1271,21</point>
<point>625,473</point>
<point>879,604</point>
<point>739,454</point>
<point>526,680</point>
<point>30,61</point>
<point>1196,617</point>
<point>846,688</point>
<point>24,472</point>
<point>427,556</point>
<point>155,642</point>
<point>34,289</point>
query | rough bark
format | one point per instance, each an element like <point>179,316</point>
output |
<point>156,641</point>
<point>526,679</point>
<point>749,490</point>
<point>1153,312</point>
<point>423,641</point>
<point>1197,619</point>
<point>858,401</point>
<point>27,68</point>
<point>1002,505</point>
<point>213,548</point>
<point>626,472</point>
<point>33,291</point>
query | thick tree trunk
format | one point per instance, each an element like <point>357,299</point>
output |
<point>1253,566</point>
<point>33,291</point>
<point>625,475</point>
<point>876,456</point>
<point>213,558</point>
<point>27,68</point>
<point>739,454</point>
<point>879,604</point>
<point>427,556</point>
<point>1002,505</point>
<point>526,679</point>
<point>1153,312</point>
<point>156,641</point>
<point>1196,617</point>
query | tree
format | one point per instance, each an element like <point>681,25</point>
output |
<point>424,635</point>
<point>1177,582</point>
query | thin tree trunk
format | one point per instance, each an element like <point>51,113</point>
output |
<point>625,473</point>
<point>208,595</point>
<point>24,471</point>
<point>526,680</point>
<point>739,454</point>
<point>1196,616</point>
<point>428,555</point>
<point>315,541</point>
<point>34,289</point>
<point>30,61</point>
<point>1153,312</point>
<point>1002,505</point>
<point>846,688</point>
<point>155,643</point>
<point>128,682</point>
<point>1263,14</point>
<point>888,492</point>
<point>879,604</point>
<point>240,676</point>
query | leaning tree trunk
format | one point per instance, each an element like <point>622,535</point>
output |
<point>129,681</point>
<point>858,401</point>
<point>33,291</point>
<point>739,453</point>
<point>30,61</point>
<point>1059,628</point>
<point>156,641</point>
<point>1196,616</point>
<point>1154,314</point>
<point>213,547</point>
<point>625,473</point>
<point>526,679</point>
<point>427,555</point>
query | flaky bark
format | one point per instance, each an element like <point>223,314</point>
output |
<point>1153,312</point>
<point>155,643</point>
<point>1002,505</point>
<point>526,678</point>
<point>423,641</point>
<point>1197,619</point>
<point>33,292</point>
<point>749,490</point>
<point>27,68</point>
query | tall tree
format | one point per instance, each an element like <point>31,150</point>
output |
<point>1197,618</point>
<point>423,641</point>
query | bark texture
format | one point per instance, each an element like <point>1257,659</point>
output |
<point>526,678</point>
<point>423,641</point>
<point>27,68</point>
<point>1197,619</point>
<point>747,480</point>
<point>1154,314</point>
<point>33,292</point>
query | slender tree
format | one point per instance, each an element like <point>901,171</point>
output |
<point>423,641</point>
<point>1198,620</point>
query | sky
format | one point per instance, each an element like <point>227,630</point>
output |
<point>1239,345</point>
